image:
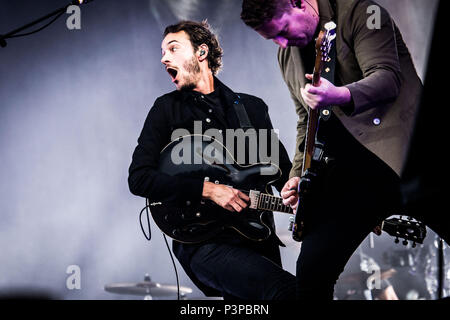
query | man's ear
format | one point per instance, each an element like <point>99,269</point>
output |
<point>203,51</point>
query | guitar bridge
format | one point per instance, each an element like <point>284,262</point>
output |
<point>254,199</point>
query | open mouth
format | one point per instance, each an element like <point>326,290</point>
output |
<point>173,73</point>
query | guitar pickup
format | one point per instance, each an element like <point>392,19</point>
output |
<point>254,199</point>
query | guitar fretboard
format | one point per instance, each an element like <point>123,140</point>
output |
<point>272,203</point>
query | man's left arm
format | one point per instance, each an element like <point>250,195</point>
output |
<point>377,56</point>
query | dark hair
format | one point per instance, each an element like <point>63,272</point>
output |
<point>200,33</point>
<point>257,12</point>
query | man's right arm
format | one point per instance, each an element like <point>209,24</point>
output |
<point>302,120</point>
<point>144,178</point>
<point>146,181</point>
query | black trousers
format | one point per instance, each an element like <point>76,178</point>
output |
<point>242,273</point>
<point>349,198</point>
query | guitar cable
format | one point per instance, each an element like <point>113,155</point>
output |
<point>147,206</point>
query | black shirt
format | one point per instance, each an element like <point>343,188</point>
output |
<point>179,110</point>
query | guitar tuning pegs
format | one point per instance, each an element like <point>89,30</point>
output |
<point>405,242</point>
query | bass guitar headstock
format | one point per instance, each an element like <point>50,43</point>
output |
<point>406,229</point>
<point>323,47</point>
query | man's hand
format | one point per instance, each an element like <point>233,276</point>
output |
<point>387,294</point>
<point>289,193</point>
<point>377,230</point>
<point>325,95</point>
<point>228,198</point>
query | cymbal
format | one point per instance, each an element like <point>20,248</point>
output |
<point>362,276</point>
<point>146,288</point>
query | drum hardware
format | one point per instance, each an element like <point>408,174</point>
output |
<point>148,289</point>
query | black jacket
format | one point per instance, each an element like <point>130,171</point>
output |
<point>179,109</point>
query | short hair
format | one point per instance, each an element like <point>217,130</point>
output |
<point>257,12</point>
<point>200,33</point>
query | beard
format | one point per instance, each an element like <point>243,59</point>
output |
<point>192,68</point>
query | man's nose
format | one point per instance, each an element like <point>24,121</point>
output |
<point>165,59</point>
<point>282,42</point>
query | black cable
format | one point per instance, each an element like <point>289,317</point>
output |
<point>174,266</point>
<point>35,31</point>
<point>147,206</point>
<point>148,221</point>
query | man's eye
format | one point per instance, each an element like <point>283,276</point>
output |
<point>173,49</point>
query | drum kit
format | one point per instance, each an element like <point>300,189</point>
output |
<point>413,273</point>
<point>150,290</point>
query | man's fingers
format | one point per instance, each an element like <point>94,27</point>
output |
<point>243,196</point>
<point>290,201</point>
<point>229,208</point>
<point>288,193</point>
<point>241,203</point>
<point>236,206</point>
<point>377,230</point>
<point>312,90</point>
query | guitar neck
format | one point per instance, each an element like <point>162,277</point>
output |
<point>264,201</point>
<point>313,119</point>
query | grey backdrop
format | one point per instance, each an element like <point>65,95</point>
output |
<point>72,104</point>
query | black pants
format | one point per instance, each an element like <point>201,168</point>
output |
<point>242,273</point>
<point>350,197</point>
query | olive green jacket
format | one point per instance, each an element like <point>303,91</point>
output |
<point>376,66</point>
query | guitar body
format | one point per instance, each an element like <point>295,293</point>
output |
<point>205,221</point>
<point>206,158</point>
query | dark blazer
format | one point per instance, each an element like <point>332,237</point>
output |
<point>376,66</point>
<point>179,109</point>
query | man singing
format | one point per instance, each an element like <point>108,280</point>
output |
<point>229,265</point>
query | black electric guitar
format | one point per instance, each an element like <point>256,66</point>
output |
<point>208,159</point>
<point>313,156</point>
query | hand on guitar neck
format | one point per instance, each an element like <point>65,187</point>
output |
<point>228,198</point>
<point>289,193</point>
<point>324,94</point>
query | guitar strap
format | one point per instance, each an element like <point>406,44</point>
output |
<point>242,115</point>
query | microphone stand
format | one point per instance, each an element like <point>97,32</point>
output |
<point>440,262</point>
<point>3,38</point>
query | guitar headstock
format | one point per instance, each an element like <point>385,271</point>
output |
<point>406,229</point>
<point>323,46</point>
